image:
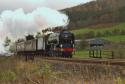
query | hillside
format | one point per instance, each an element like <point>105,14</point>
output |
<point>96,12</point>
<point>114,33</point>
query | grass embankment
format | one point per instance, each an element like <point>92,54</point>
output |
<point>80,32</point>
<point>81,54</point>
<point>116,38</point>
<point>85,54</point>
<point>17,71</point>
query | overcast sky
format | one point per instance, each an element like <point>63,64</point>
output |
<point>29,5</point>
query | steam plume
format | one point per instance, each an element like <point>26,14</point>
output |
<point>17,23</point>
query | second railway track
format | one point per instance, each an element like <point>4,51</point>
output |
<point>89,61</point>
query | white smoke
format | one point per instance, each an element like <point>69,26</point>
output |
<point>46,17</point>
<point>2,49</point>
<point>17,23</point>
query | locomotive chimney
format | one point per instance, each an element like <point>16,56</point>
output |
<point>29,37</point>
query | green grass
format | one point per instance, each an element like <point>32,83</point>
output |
<point>116,38</point>
<point>79,33</point>
<point>85,54</point>
<point>84,30</point>
<point>81,54</point>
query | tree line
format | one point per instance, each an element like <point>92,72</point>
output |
<point>96,12</point>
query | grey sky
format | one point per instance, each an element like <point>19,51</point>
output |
<point>29,5</point>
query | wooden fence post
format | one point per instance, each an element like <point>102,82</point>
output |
<point>112,54</point>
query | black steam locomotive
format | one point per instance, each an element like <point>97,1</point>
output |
<point>59,44</point>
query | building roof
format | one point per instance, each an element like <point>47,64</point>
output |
<point>97,42</point>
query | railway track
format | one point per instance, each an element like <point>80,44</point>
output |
<point>119,62</point>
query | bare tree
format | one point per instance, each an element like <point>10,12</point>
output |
<point>7,42</point>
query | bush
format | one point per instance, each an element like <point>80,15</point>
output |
<point>82,44</point>
<point>122,32</point>
<point>107,33</point>
<point>116,32</point>
<point>99,34</point>
<point>90,34</point>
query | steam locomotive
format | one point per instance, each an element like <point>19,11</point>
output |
<point>59,44</point>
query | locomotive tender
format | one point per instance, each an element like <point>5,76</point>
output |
<point>59,44</point>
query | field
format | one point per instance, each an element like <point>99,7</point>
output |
<point>116,38</point>
<point>17,71</point>
<point>79,33</point>
<point>81,54</point>
<point>113,34</point>
<point>85,54</point>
